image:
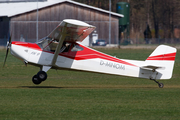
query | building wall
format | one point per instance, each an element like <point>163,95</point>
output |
<point>4,29</point>
<point>25,24</point>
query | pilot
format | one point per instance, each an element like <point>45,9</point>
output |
<point>65,47</point>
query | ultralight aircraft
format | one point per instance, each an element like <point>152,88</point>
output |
<point>62,49</point>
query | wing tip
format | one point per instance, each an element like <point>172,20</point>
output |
<point>76,22</point>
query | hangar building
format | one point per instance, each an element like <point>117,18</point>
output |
<point>20,18</point>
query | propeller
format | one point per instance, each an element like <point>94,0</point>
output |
<point>7,48</point>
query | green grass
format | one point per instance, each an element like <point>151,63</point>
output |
<point>75,95</point>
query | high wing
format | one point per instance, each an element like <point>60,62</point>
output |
<point>74,30</point>
<point>69,31</point>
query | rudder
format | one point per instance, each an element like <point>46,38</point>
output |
<point>162,57</point>
<point>163,52</point>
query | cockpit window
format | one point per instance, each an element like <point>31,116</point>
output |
<point>45,43</point>
<point>76,48</point>
<point>65,47</point>
<point>49,44</point>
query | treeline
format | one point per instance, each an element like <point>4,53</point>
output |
<point>162,16</point>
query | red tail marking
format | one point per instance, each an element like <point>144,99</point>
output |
<point>168,57</point>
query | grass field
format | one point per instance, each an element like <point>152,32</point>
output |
<point>74,95</point>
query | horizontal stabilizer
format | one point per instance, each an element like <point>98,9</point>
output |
<point>151,67</point>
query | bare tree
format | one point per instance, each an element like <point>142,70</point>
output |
<point>155,17</point>
<point>161,16</point>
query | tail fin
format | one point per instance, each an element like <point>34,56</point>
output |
<point>163,53</point>
<point>162,60</point>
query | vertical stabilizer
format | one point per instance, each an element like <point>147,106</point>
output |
<point>162,57</point>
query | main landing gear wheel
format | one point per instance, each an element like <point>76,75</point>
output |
<point>41,76</point>
<point>35,80</point>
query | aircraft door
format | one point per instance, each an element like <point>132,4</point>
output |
<point>64,52</point>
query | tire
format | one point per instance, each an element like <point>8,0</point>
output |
<point>161,85</point>
<point>35,80</point>
<point>41,75</point>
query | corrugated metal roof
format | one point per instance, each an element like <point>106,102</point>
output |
<point>13,9</point>
<point>95,8</point>
<point>6,1</point>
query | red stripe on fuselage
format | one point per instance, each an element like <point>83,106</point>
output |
<point>26,44</point>
<point>88,53</point>
<point>85,54</point>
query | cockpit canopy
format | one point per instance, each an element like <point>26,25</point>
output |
<point>50,45</point>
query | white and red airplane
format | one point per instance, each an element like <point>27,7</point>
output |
<point>62,50</point>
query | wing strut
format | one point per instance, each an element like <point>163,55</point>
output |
<point>61,40</point>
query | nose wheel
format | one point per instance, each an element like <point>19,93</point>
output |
<point>39,77</point>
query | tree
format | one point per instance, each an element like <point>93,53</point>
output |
<point>160,15</point>
<point>155,17</point>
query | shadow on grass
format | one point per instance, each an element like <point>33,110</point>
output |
<point>40,87</point>
<point>88,87</point>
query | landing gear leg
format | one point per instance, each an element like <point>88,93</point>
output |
<point>161,85</point>
<point>41,76</point>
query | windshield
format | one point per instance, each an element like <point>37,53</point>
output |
<point>48,44</point>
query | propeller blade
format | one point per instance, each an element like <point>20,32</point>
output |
<point>6,57</point>
<point>10,39</point>
<point>7,50</point>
